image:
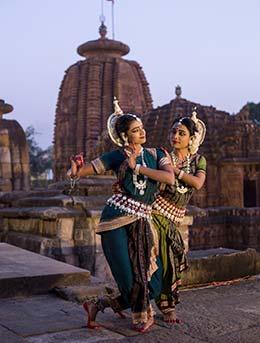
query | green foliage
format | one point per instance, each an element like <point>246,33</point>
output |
<point>40,160</point>
<point>254,110</point>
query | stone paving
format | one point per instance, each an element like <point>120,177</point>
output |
<point>226,314</point>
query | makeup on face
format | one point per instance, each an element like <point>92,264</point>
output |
<point>136,133</point>
<point>180,135</point>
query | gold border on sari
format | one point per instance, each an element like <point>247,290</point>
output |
<point>98,166</point>
<point>115,223</point>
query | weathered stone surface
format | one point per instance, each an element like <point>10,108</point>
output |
<point>237,228</point>
<point>14,157</point>
<point>8,336</point>
<point>82,293</point>
<point>220,265</point>
<point>26,273</point>
<point>76,336</point>
<point>40,212</point>
<point>231,147</point>
<point>216,314</point>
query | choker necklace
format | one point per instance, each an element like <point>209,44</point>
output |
<point>142,184</point>
<point>181,188</point>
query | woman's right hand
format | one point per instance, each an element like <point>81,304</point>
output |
<point>132,155</point>
<point>72,172</point>
<point>77,163</point>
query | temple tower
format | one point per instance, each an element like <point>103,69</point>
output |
<point>86,97</point>
<point>14,157</point>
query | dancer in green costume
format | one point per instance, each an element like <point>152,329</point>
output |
<point>129,238</point>
<point>186,136</point>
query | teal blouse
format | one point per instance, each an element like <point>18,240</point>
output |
<point>153,159</point>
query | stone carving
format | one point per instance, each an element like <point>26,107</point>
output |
<point>232,143</point>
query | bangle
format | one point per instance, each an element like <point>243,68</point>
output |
<point>181,173</point>
<point>137,169</point>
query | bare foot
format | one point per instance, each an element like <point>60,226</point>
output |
<point>92,311</point>
<point>170,317</point>
<point>144,327</point>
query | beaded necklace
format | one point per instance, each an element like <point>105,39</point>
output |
<point>179,187</point>
<point>142,184</point>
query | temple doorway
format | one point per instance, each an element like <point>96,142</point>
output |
<point>250,193</point>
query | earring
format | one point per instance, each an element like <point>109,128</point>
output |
<point>190,144</point>
<point>125,139</point>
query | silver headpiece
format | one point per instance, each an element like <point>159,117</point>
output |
<point>199,136</point>
<point>111,123</point>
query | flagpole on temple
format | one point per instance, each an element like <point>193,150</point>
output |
<point>113,24</point>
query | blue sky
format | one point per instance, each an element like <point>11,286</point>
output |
<point>211,48</point>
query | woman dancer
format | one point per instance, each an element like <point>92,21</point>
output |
<point>128,237</point>
<point>186,135</point>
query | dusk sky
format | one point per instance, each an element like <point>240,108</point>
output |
<point>210,47</point>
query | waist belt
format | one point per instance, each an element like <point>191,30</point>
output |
<point>130,206</point>
<point>168,209</point>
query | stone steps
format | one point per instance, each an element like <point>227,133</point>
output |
<point>93,185</point>
<point>61,200</point>
<point>63,233</point>
<point>25,273</point>
<point>51,212</point>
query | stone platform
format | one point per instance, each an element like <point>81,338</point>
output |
<point>228,314</point>
<point>25,273</point>
<point>221,264</point>
<point>214,314</point>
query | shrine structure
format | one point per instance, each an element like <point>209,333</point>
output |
<point>14,161</point>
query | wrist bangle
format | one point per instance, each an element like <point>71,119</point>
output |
<point>181,173</point>
<point>137,169</point>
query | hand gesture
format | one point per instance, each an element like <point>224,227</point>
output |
<point>132,155</point>
<point>77,162</point>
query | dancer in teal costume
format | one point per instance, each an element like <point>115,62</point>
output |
<point>129,239</point>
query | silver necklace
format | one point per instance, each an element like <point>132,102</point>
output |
<point>179,187</point>
<point>141,184</point>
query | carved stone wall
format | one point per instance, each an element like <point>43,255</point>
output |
<point>231,147</point>
<point>236,228</point>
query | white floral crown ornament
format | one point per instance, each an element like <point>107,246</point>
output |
<point>199,136</point>
<point>111,123</point>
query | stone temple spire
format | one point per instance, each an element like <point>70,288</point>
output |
<point>86,97</point>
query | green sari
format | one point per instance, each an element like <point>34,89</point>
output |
<point>172,250</point>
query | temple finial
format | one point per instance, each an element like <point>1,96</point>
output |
<point>178,91</point>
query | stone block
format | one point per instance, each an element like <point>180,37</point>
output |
<point>49,228</point>
<point>78,235</point>
<point>65,228</point>
<point>5,155</point>
<point>16,159</point>
<point>220,267</point>
<point>6,170</point>
<point>4,138</point>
